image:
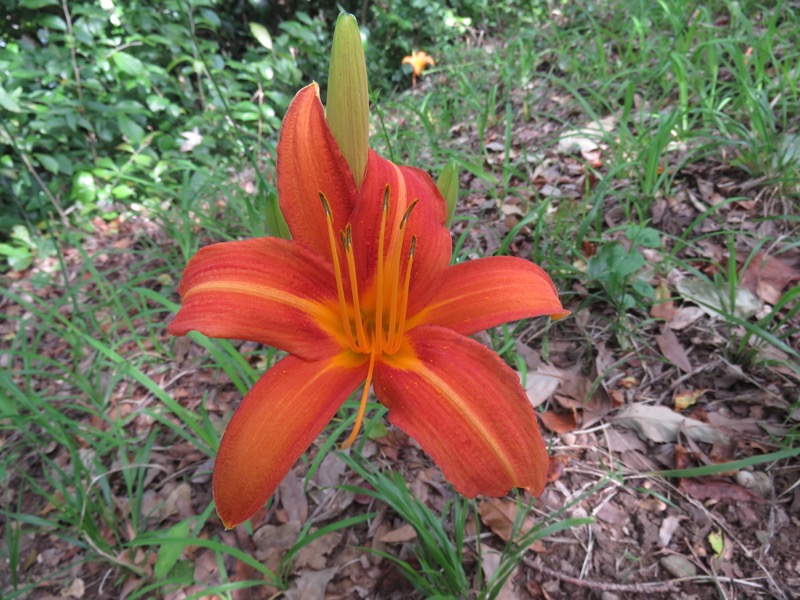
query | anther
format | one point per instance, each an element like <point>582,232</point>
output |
<point>325,205</point>
<point>408,213</point>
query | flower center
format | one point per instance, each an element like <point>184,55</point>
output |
<point>378,329</point>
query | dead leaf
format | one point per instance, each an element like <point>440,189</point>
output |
<point>685,316</point>
<point>275,537</point>
<point>404,533</point>
<point>663,307</point>
<point>668,527</point>
<point>293,498</point>
<point>661,425</point>
<point>714,300</point>
<point>76,589</point>
<point>672,349</point>
<point>179,501</point>
<point>678,566</point>
<point>684,400</point>
<point>499,516</point>
<point>542,382</point>
<point>766,276</point>
<point>490,562</point>
<point>555,468</point>
<point>314,554</point>
<point>206,568</point>
<point>586,139</point>
<point>311,585</point>
<point>558,422</point>
<point>711,488</point>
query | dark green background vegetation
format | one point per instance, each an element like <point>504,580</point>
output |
<point>94,96</point>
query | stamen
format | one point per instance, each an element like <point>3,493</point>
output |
<point>378,345</point>
<point>338,275</point>
<point>394,261</point>
<point>347,243</point>
<point>395,346</point>
<point>363,406</point>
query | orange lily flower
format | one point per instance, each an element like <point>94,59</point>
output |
<point>418,61</point>
<point>364,293</point>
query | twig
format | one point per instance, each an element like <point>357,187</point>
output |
<point>636,588</point>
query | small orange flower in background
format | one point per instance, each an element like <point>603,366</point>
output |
<point>365,293</point>
<point>418,61</point>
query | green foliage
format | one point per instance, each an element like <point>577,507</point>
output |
<point>615,267</point>
<point>97,99</point>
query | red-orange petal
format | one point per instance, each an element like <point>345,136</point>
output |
<point>425,223</point>
<point>275,423</point>
<point>266,290</point>
<point>483,293</point>
<point>310,162</point>
<point>467,410</point>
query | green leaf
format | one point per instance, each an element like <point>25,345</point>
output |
<point>122,191</point>
<point>448,186</point>
<point>48,162</point>
<point>276,223</point>
<point>53,22</point>
<point>628,263</point>
<point>128,64</point>
<point>34,4</point>
<point>84,188</point>
<point>8,101</point>
<point>130,128</point>
<point>261,34</point>
<point>171,550</point>
<point>644,289</point>
<point>18,258</point>
<point>717,542</point>
<point>644,236</point>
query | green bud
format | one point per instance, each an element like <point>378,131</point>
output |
<point>347,111</point>
<point>448,186</point>
<point>276,223</point>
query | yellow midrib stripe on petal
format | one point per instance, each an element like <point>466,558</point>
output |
<point>414,365</point>
<point>321,313</point>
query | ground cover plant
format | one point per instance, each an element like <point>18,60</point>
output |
<point>645,154</point>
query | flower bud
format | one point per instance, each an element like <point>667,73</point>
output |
<point>347,111</point>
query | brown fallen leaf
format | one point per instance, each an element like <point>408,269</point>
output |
<point>555,468</point>
<point>663,307</point>
<point>559,422</point>
<point>660,424</point>
<point>500,515</point>
<point>684,400</point>
<point>310,585</point>
<point>672,349</point>
<point>404,533</point>
<point>314,554</point>
<point>766,276</point>
<point>541,383</point>
<point>490,562</point>
<point>711,488</point>
<point>293,498</point>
